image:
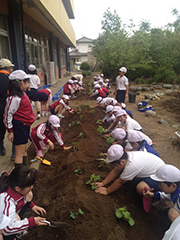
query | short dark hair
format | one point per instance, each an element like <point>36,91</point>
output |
<point>124,156</point>
<point>170,183</point>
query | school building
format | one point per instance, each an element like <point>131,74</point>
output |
<point>38,32</point>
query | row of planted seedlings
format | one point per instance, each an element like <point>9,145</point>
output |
<point>120,212</point>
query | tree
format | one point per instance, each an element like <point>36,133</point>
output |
<point>85,66</point>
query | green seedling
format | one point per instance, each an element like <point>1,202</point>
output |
<point>81,135</point>
<point>101,154</point>
<point>80,117</point>
<point>90,107</point>
<point>74,144</point>
<point>123,213</point>
<point>70,125</point>
<point>78,171</point>
<point>78,123</point>
<point>93,179</point>
<point>73,123</point>
<point>79,113</point>
<point>104,163</point>
<point>98,121</point>
<point>110,140</point>
<point>80,110</point>
<point>74,215</point>
<point>83,105</point>
<point>100,129</point>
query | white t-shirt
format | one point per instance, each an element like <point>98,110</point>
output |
<point>173,232</point>
<point>122,82</point>
<point>141,165</point>
<point>130,124</point>
<point>34,81</point>
<point>79,77</point>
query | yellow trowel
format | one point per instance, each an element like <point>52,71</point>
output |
<point>44,161</point>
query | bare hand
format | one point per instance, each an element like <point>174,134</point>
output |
<point>51,144</point>
<point>148,193</point>
<point>98,184</point>
<point>101,190</point>
<point>38,221</point>
<point>71,111</point>
<point>39,210</point>
<point>66,148</point>
<point>11,137</point>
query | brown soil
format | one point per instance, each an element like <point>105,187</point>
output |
<point>58,189</point>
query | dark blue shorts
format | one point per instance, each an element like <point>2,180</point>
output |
<point>32,94</point>
<point>42,97</point>
<point>52,110</point>
<point>152,184</point>
<point>21,132</point>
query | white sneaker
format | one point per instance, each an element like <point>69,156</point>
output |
<point>60,116</point>
<point>47,114</point>
<point>38,115</point>
<point>43,113</point>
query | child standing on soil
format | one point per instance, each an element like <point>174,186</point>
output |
<point>32,92</point>
<point>45,97</point>
<point>16,195</point>
<point>57,107</point>
<point>168,177</point>
<point>19,115</point>
<point>47,134</point>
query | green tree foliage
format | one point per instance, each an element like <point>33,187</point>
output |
<point>147,52</point>
<point>85,66</point>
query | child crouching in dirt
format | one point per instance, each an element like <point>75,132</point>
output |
<point>16,195</point>
<point>47,134</point>
<point>57,107</point>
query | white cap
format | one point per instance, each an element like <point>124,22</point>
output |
<point>116,108</point>
<point>120,113</point>
<point>65,97</point>
<point>123,105</point>
<point>80,83</point>
<point>31,67</point>
<point>100,81</point>
<point>75,81</point>
<point>70,81</point>
<point>94,83</point>
<point>49,90</point>
<point>97,86</point>
<point>19,75</point>
<point>4,221</point>
<point>135,136</point>
<point>107,80</point>
<point>118,134</point>
<point>99,99</point>
<point>102,75</point>
<point>109,108</point>
<point>54,120</point>
<point>114,153</point>
<point>123,69</point>
<point>114,102</point>
<point>167,173</point>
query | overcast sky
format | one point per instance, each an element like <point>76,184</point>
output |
<point>88,14</point>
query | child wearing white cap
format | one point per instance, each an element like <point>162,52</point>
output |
<point>168,177</point>
<point>106,101</point>
<point>130,165</point>
<point>47,133</point>
<point>68,88</point>
<point>4,221</point>
<point>19,115</point>
<point>138,143</point>
<point>34,83</point>
<point>98,90</point>
<point>107,83</point>
<point>109,116</point>
<point>122,86</point>
<point>57,107</point>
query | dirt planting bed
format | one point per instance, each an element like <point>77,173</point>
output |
<point>59,190</point>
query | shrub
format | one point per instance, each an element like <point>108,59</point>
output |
<point>166,75</point>
<point>85,66</point>
<point>87,73</point>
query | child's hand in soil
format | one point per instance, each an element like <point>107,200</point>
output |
<point>98,184</point>
<point>101,190</point>
<point>66,148</point>
<point>38,210</point>
<point>51,144</point>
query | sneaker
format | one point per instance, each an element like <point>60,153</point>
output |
<point>47,114</point>
<point>38,116</point>
<point>43,113</point>
<point>39,153</point>
<point>43,145</point>
<point>60,116</point>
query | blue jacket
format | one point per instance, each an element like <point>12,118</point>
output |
<point>146,147</point>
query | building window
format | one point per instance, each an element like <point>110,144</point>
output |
<point>4,38</point>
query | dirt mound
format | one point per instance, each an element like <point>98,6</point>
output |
<point>59,190</point>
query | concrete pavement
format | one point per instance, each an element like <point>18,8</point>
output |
<point>5,162</point>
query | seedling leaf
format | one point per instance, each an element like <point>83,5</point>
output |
<point>80,211</point>
<point>119,213</point>
<point>131,222</point>
<point>73,214</point>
